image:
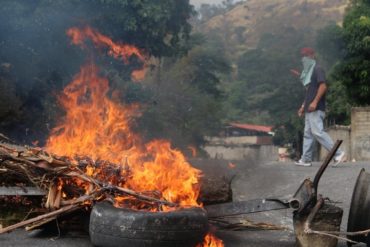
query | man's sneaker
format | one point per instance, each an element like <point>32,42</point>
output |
<point>302,163</point>
<point>340,158</point>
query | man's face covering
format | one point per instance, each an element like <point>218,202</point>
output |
<point>308,66</point>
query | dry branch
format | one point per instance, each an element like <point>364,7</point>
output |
<point>66,209</point>
<point>64,179</point>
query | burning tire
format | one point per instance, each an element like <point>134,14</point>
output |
<point>110,226</point>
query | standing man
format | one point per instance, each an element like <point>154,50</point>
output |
<point>313,109</point>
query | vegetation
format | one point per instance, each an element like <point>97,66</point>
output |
<point>186,102</point>
<point>353,70</point>
<point>182,95</point>
<point>219,71</point>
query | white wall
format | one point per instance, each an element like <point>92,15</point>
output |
<point>259,153</point>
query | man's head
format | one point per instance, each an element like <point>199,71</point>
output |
<point>308,52</point>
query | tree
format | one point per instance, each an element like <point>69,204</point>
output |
<point>187,103</point>
<point>353,70</point>
<point>266,92</point>
<point>34,43</point>
<point>330,46</point>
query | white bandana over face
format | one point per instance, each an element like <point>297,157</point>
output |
<point>308,66</point>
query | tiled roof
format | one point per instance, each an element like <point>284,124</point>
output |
<point>259,128</point>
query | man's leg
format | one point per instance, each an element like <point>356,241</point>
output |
<point>316,120</point>
<point>307,140</point>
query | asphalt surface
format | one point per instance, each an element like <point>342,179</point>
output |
<point>281,180</point>
<point>250,181</point>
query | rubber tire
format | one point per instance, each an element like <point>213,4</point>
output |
<point>110,226</point>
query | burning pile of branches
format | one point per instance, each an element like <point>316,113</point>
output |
<point>99,156</point>
<point>70,184</point>
<point>93,154</point>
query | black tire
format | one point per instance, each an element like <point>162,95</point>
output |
<point>110,226</point>
<point>359,214</point>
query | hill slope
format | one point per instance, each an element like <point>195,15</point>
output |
<point>243,25</point>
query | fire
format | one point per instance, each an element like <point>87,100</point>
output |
<point>211,240</point>
<point>116,50</point>
<point>100,128</point>
<point>96,126</point>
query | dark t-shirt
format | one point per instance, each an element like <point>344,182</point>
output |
<point>318,76</point>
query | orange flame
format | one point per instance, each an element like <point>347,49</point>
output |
<point>211,240</point>
<point>116,50</point>
<point>97,127</point>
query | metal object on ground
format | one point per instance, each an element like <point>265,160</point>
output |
<point>244,207</point>
<point>306,196</point>
<point>302,197</point>
<point>323,167</point>
<point>19,191</point>
<point>311,214</point>
<point>359,213</point>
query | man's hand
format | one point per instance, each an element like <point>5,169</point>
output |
<point>312,107</point>
<point>295,72</point>
<point>301,111</point>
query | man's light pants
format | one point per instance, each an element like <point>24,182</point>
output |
<point>314,129</point>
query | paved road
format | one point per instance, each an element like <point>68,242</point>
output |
<point>250,181</point>
<point>281,180</point>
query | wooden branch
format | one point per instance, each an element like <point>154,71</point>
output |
<point>42,169</point>
<point>141,197</point>
<point>123,190</point>
<point>51,196</point>
<point>40,223</point>
<point>65,209</point>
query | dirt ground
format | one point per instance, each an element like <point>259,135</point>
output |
<point>249,181</point>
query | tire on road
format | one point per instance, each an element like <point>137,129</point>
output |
<point>110,226</point>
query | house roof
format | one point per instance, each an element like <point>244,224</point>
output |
<point>259,128</point>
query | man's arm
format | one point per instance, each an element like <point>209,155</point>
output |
<point>295,72</point>
<point>320,92</point>
<point>301,110</point>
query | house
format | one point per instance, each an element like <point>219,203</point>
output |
<point>238,141</point>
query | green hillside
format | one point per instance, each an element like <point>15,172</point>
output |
<point>243,25</point>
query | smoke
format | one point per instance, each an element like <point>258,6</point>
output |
<point>33,41</point>
<point>39,60</point>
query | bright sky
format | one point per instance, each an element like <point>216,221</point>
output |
<point>197,3</point>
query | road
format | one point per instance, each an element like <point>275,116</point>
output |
<point>250,181</point>
<point>281,179</point>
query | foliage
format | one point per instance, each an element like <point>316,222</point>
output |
<point>265,91</point>
<point>331,48</point>
<point>202,68</point>
<point>329,44</point>
<point>207,11</point>
<point>353,70</point>
<point>338,107</point>
<point>186,102</point>
<point>34,43</point>
<point>289,132</point>
<point>192,92</point>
